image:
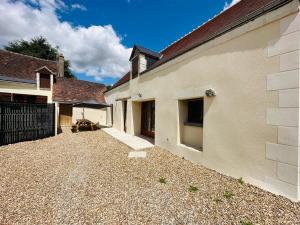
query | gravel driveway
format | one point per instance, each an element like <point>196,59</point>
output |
<point>87,178</point>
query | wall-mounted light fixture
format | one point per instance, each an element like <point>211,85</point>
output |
<point>210,93</point>
<point>140,95</point>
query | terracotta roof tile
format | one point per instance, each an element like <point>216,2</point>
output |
<point>75,91</point>
<point>22,66</point>
<point>241,13</point>
<point>122,80</point>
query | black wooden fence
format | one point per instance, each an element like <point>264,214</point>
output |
<point>24,121</point>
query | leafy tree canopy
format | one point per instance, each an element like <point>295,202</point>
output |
<point>39,47</point>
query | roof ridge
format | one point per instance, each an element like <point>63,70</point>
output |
<point>29,56</point>
<point>207,21</point>
<point>140,46</point>
<point>86,81</point>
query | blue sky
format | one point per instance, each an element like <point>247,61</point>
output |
<point>153,24</point>
<point>97,36</point>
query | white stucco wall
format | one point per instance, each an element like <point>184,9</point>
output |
<point>26,89</point>
<point>251,127</point>
<point>94,115</point>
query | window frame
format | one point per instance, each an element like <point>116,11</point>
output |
<point>190,119</point>
<point>43,79</point>
<point>133,76</point>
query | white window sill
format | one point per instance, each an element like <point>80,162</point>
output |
<point>190,148</point>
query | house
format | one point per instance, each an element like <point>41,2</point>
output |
<point>79,99</point>
<point>27,79</point>
<point>225,96</point>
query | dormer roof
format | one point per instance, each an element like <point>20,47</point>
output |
<point>144,51</point>
<point>44,69</point>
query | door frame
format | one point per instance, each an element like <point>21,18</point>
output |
<point>125,106</point>
<point>144,131</point>
<point>65,113</point>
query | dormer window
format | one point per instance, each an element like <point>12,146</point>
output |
<point>44,78</point>
<point>135,67</point>
<point>45,81</point>
<point>142,59</point>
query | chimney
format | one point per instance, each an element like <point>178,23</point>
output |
<point>61,60</point>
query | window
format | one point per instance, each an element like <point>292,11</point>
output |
<point>44,81</point>
<point>135,67</point>
<point>195,111</point>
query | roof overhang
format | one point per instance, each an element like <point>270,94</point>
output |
<point>44,68</point>
<point>87,104</point>
<point>144,51</point>
<point>17,80</point>
<point>237,23</point>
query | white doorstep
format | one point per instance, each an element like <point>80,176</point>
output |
<point>134,142</point>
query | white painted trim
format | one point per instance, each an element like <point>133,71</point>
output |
<point>51,82</point>
<point>56,116</point>
<point>38,81</point>
<point>138,66</point>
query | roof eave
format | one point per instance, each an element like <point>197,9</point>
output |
<point>114,87</point>
<point>17,80</point>
<point>269,8</point>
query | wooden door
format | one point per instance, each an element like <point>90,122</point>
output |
<point>65,114</point>
<point>148,119</point>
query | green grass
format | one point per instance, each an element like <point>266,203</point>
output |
<point>241,181</point>
<point>193,188</point>
<point>228,194</point>
<point>162,180</point>
<point>245,223</point>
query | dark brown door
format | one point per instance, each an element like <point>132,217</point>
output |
<point>125,114</point>
<point>148,119</point>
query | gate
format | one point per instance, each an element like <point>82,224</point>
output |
<point>25,121</point>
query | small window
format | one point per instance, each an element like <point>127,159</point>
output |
<point>135,67</point>
<point>44,81</point>
<point>195,111</point>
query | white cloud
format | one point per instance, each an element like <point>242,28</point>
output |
<point>78,6</point>
<point>232,3</point>
<point>94,50</point>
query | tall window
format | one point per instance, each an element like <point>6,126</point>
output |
<point>44,81</point>
<point>135,67</point>
<point>195,111</point>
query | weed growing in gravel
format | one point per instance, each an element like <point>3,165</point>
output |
<point>193,188</point>
<point>245,223</point>
<point>218,200</point>
<point>241,181</point>
<point>162,180</point>
<point>228,194</point>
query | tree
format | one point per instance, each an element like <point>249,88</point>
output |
<point>39,47</point>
